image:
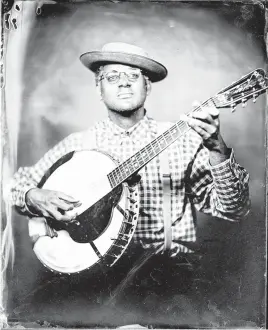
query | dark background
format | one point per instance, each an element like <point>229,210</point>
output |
<point>205,47</point>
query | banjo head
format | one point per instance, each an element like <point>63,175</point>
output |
<point>83,175</point>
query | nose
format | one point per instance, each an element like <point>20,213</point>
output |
<point>123,81</point>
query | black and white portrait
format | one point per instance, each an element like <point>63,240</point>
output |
<point>133,164</point>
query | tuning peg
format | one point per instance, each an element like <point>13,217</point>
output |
<point>244,103</point>
<point>254,97</point>
<point>233,105</point>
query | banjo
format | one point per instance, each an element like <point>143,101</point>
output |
<point>109,211</point>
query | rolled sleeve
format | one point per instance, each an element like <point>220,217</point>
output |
<point>231,191</point>
<point>227,169</point>
<point>221,190</point>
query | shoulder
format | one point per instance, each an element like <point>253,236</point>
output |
<point>78,136</point>
<point>82,139</point>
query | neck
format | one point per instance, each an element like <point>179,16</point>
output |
<point>127,119</point>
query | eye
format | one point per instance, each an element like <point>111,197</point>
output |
<point>133,75</point>
<point>112,77</point>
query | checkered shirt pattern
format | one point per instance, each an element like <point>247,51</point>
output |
<point>221,191</point>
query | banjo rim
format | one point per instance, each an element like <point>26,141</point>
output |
<point>108,259</point>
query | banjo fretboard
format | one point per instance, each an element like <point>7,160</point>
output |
<point>133,164</point>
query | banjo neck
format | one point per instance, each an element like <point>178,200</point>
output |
<point>249,86</point>
<point>133,164</point>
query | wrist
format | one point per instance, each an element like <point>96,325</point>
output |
<point>28,200</point>
<point>219,153</point>
<point>216,157</point>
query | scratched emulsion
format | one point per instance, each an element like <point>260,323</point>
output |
<point>205,48</point>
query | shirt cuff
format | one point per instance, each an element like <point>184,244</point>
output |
<point>25,207</point>
<point>225,169</point>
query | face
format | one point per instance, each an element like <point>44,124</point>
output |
<point>126,95</point>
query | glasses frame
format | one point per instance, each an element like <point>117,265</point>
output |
<point>103,75</point>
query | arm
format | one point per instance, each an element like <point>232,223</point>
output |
<point>26,179</point>
<point>220,190</point>
<point>219,185</point>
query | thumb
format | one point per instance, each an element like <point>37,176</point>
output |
<point>213,111</point>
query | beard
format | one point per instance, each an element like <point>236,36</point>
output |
<point>126,109</point>
<point>125,112</point>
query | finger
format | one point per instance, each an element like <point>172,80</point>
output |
<point>213,111</point>
<point>210,109</point>
<point>77,204</point>
<point>44,213</point>
<point>199,125</point>
<point>67,198</point>
<point>65,206</point>
<point>57,215</point>
<point>204,134</point>
<point>40,210</point>
<point>203,115</point>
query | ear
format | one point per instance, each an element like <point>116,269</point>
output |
<point>148,86</point>
<point>99,90</point>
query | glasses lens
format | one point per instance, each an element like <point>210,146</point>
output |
<point>114,77</point>
<point>133,76</point>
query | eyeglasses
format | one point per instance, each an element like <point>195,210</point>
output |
<point>114,76</point>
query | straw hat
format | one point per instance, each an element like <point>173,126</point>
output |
<point>122,53</point>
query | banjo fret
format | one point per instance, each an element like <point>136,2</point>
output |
<point>133,164</point>
<point>120,246</point>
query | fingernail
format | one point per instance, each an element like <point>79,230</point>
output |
<point>75,216</point>
<point>78,204</point>
<point>75,222</point>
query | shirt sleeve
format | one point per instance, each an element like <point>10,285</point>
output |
<point>221,190</point>
<point>27,178</point>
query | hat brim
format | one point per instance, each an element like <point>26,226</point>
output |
<point>153,69</point>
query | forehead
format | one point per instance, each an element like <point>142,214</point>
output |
<point>118,67</point>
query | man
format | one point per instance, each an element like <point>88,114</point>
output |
<point>203,172</point>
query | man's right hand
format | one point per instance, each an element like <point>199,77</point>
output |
<point>50,203</point>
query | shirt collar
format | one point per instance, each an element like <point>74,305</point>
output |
<point>145,129</point>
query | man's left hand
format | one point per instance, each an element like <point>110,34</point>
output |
<point>206,123</point>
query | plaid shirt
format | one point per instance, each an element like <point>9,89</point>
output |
<point>221,190</point>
